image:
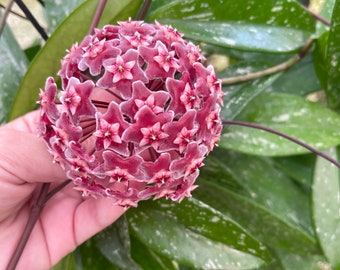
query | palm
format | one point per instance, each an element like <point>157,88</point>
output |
<point>67,219</point>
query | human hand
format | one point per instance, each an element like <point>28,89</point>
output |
<point>66,221</point>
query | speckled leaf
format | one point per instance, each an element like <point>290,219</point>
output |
<point>114,244</point>
<point>293,115</point>
<point>256,219</point>
<point>326,13</point>
<point>149,259</point>
<point>13,67</point>
<point>195,235</point>
<point>262,183</point>
<point>56,11</point>
<point>73,29</point>
<point>300,79</point>
<point>243,36</point>
<point>299,167</point>
<point>88,257</point>
<point>235,100</point>
<point>326,206</point>
<point>276,12</point>
<point>333,60</point>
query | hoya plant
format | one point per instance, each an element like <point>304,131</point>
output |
<point>215,124</point>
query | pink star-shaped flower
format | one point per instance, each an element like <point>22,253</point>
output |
<point>165,59</point>
<point>76,97</point>
<point>189,97</point>
<point>108,132</point>
<point>145,117</point>
<point>119,175</point>
<point>152,135</point>
<point>141,96</point>
<point>95,53</point>
<point>184,138</point>
<point>160,62</point>
<point>191,161</point>
<point>47,100</point>
<point>121,70</point>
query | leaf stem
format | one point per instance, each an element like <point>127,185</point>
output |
<point>33,217</point>
<point>255,75</point>
<point>32,19</point>
<point>43,197</point>
<point>97,16</point>
<point>14,13</point>
<point>5,15</point>
<point>143,10</point>
<point>272,70</point>
<point>283,135</point>
<point>318,17</point>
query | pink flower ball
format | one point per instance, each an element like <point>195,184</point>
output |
<point>137,113</point>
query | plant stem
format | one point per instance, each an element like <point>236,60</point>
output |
<point>5,15</point>
<point>33,217</point>
<point>272,70</point>
<point>283,135</point>
<point>14,13</point>
<point>255,75</point>
<point>318,17</point>
<point>43,197</point>
<point>144,10</point>
<point>30,16</point>
<point>97,16</point>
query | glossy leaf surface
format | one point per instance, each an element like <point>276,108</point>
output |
<point>192,234</point>
<point>13,66</point>
<point>326,205</point>
<point>290,114</point>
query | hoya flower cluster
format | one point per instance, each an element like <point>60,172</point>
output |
<point>137,113</point>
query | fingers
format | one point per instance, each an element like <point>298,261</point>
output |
<point>27,123</point>
<point>24,156</point>
<point>97,214</point>
<point>77,218</point>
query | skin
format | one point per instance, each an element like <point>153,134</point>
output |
<point>66,221</point>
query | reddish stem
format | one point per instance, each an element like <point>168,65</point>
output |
<point>97,16</point>
<point>34,216</point>
<point>283,135</point>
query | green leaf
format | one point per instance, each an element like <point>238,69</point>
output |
<point>320,59</point>
<point>276,12</point>
<point>149,259</point>
<point>114,244</point>
<point>326,205</point>
<point>300,79</point>
<point>326,13</point>
<point>332,61</point>
<point>299,167</point>
<point>256,219</point>
<point>13,67</point>
<point>237,99</point>
<point>67,262</point>
<point>72,30</point>
<point>243,36</point>
<point>262,183</point>
<point>56,11</point>
<point>195,235</point>
<point>291,261</point>
<point>290,114</point>
<point>88,257</point>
